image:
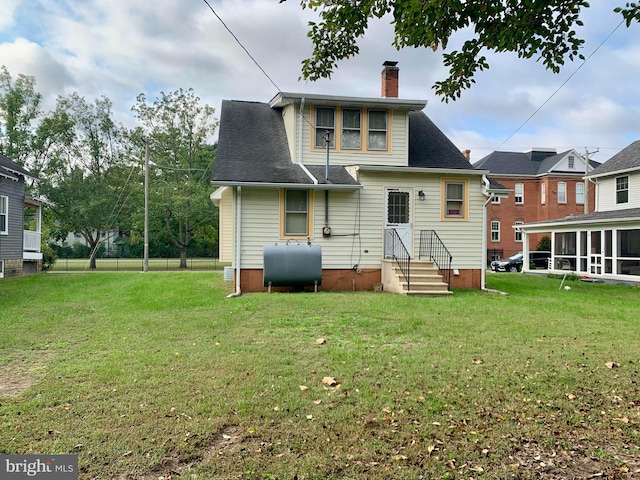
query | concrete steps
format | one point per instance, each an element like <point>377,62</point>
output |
<point>425,279</point>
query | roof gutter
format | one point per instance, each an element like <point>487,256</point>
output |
<point>448,171</point>
<point>311,186</point>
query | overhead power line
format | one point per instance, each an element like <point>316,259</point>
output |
<point>560,87</point>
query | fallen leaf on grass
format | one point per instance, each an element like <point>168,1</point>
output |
<point>386,410</point>
<point>477,361</point>
<point>317,402</point>
<point>67,406</point>
<point>321,341</point>
<point>612,364</point>
<point>303,388</point>
<point>570,396</point>
<point>329,381</point>
<point>399,458</point>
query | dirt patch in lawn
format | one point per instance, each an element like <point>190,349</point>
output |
<point>22,371</point>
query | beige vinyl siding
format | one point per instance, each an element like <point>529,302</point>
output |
<point>606,201</point>
<point>290,118</point>
<point>356,219</point>
<point>396,156</point>
<point>226,226</point>
<point>463,238</point>
<point>260,224</point>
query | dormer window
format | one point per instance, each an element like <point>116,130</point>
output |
<point>325,124</point>
<point>347,127</point>
<point>351,129</point>
<point>377,138</point>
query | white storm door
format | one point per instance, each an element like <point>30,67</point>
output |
<point>399,215</point>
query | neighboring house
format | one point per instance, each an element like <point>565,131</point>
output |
<point>604,244</point>
<point>20,218</point>
<point>385,188</point>
<point>110,240</point>
<point>544,185</point>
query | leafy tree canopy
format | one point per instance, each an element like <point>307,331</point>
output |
<point>530,28</point>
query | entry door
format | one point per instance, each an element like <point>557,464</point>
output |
<point>399,215</point>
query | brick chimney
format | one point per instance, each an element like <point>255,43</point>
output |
<point>390,79</point>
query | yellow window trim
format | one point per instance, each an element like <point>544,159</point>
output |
<point>364,128</point>
<point>465,199</point>
<point>309,215</point>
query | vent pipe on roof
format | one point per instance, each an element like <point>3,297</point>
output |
<point>390,79</point>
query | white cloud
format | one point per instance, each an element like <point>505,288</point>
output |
<point>120,48</point>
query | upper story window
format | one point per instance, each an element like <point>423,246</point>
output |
<point>543,193</point>
<point>4,214</point>
<point>495,199</point>
<point>571,161</point>
<point>562,192</point>
<point>325,125</point>
<point>351,129</point>
<point>377,133</point>
<point>519,193</point>
<point>495,231</point>
<point>579,193</point>
<point>622,189</point>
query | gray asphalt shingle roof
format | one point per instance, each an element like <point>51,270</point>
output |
<point>430,148</point>
<point>9,168</point>
<point>629,213</point>
<point>626,159</point>
<point>253,148</point>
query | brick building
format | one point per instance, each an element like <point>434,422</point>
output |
<point>544,185</point>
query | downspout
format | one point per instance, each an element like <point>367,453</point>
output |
<point>238,292</point>
<point>300,126</point>
<point>484,234</point>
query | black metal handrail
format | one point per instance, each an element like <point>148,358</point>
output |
<point>433,248</point>
<point>395,248</point>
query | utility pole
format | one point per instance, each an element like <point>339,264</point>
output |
<point>145,260</point>
<point>586,181</point>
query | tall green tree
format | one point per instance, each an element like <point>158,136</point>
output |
<point>86,178</point>
<point>19,110</point>
<point>530,28</point>
<point>179,128</point>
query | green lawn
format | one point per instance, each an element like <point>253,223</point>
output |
<point>160,375</point>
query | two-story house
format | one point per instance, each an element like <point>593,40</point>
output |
<point>544,185</point>
<point>370,182</point>
<point>20,218</point>
<point>604,244</point>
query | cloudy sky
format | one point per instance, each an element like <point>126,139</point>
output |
<point>121,48</point>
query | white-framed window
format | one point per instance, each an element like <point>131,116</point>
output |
<point>454,200</point>
<point>562,192</point>
<point>495,231</point>
<point>377,130</point>
<point>579,193</point>
<point>571,161</point>
<point>518,232</point>
<point>296,213</point>
<point>495,199</point>
<point>4,214</point>
<point>543,193</point>
<point>325,124</point>
<point>622,189</point>
<point>351,129</point>
<point>519,193</point>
